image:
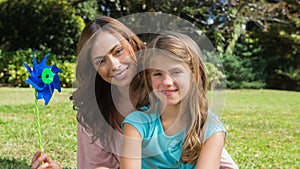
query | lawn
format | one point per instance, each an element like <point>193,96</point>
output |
<point>263,128</point>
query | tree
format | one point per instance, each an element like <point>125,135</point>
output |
<point>39,24</point>
<point>277,26</point>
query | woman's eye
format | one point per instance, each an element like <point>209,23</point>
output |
<point>118,51</point>
<point>100,61</point>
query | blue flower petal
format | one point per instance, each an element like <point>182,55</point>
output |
<point>44,91</point>
<point>48,93</point>
<point>27,67</point>
<point>43,62</point>
<point>56,83</point>
<point>33,84</point>
<point>55,69</point>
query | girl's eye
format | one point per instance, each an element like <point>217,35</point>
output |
<point>156,74</point>
<point>176,72</point>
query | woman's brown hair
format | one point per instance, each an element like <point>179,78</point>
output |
<point>92,90</point>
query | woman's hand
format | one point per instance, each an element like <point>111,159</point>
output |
<point>48,163</point>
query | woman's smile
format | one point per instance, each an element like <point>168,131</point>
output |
<point>122,74</point>
<point>113,60</point>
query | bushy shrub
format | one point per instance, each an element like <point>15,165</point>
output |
<point>67,77</point>
<point>215,76</point>
<point>13,72</point>
<point>88,10</point>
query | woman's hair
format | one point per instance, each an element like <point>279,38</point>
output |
<point>92,90</point>
<point>182,48</point>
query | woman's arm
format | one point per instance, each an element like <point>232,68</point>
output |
<point>210,154</point>
<point>131,148</point>
<point>226,161</point>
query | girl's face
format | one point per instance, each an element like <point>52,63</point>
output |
<point>170,79</point>
<point>112,59</point>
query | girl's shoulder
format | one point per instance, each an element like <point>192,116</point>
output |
<point>213,125</point>
<point>143,121</point>
<point>142,115</point>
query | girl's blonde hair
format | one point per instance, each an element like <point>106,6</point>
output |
<point>187,51</point>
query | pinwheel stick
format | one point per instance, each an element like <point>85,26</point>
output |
<point>44,79</point>
<point>38,121</point>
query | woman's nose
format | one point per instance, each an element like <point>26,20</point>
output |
<point>115,63</point>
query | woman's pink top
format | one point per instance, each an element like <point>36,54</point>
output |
<point>91,154</point>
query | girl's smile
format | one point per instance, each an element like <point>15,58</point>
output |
<point>170,79</point>
<point>169,92</point>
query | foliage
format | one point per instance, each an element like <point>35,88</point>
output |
<point>262,125</point>
<point>244,67</point>
<point>209,16</point>
<point>227,22</point>
<point>67,77</point>
<point>277,26</point>
<point>274,24</point>
<point>215,75</point>
<point>13,72</point>
<point>39,24</point>
<point>88,10</point>
<point>284,60</point>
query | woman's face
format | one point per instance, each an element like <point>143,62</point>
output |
<point>170,79</point>
<point>112,59</point>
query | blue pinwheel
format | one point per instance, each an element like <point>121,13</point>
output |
<point>43,78</point>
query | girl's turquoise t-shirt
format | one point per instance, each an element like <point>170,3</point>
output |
<point>160,150</point>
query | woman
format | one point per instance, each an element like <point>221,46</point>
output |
<point>106,64</point>
<point>109,47</point>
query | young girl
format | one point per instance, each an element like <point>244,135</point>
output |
<point>177,130</point>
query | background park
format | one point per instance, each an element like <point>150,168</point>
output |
<point>257,41</point>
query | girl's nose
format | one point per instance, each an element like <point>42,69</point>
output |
<point>167,80</point>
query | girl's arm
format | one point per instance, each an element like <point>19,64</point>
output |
<point>211,151</point>
<point>131,148</point>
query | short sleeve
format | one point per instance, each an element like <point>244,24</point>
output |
<point>141,121</point>
<point>213,125</point>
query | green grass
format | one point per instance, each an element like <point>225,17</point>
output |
<point>263,128</point>
<point>18,139</point>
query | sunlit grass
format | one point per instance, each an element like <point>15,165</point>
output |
<point>263,128</point>
<point>18,140</point>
